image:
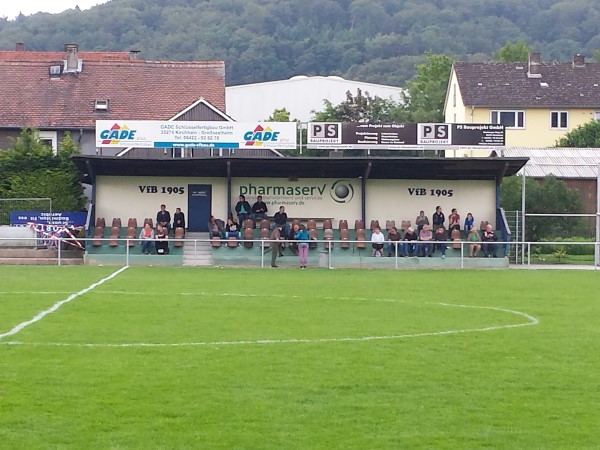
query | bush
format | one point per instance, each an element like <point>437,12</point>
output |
<point>564,246</point>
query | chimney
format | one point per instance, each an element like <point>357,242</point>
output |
<point>20,47</point>
<point>72,63</point>
<point>134,55</point>
<point>533,70</point>
<point>578,60</point>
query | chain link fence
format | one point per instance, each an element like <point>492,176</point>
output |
<point>8,205</point>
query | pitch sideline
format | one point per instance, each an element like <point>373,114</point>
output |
<point>57,305</point>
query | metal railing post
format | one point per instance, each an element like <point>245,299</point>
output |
<point>262,254</point>
<point>59,251</point>
<point>462,255</point>
<point>127,252</point>
<point>528,254</point>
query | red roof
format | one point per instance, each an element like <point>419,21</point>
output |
<point>135,89</point>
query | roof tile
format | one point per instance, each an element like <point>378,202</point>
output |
<point>495,84</point>
<point>135,89</point>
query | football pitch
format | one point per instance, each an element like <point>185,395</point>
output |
<point>182,358</point>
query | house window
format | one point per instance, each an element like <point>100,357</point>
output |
<point>101,106</point>
<point>49,138</point>
<point>559,119</point>
<point>510,119</point>
<point>596,115</point>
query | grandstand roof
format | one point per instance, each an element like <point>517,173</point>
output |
<point>558,161</point>
<point>300,167</point>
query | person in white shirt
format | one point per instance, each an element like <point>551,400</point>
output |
<point>377,239</point>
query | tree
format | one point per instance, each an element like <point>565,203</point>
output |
<point>549,196</point>
<point>279,115</point>
<point>517,51</point>
<point>586,135</point>
<point>359,108</point>
<point>30,169</point>
<point>427,92</point>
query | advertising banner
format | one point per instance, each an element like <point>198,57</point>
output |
<point>76,219</point>
<point>308,198</point>
<point>400,136</point>
<point>180,134</point>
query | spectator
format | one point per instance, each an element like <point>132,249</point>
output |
<point>163,218</point>
<point>377,239</point>
<point>469,221</point>
<point>438,217</point>
<point>147,237</point>
<point>259,209</point>
<point>475,243</point>
<point>275,245</point>
<point>489,239</point>
<point>242,209</point>
<point>394,239</point>
<point>453,221</point>
<point>232,229</point>
<point>162,243</point>
<point>440,237</point>
<point>425,237</point>
<point>421,220</point>
<point>409,246</point>
<point>215,228</point>
<point>179,219</point>
<point>292,236</point>
<point>302,235</point>
<point>280,218</point>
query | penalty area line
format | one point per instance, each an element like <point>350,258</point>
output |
<point>57,305</point>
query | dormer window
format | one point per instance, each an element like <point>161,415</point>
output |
<point>55,71</point>
<point>101,106</point>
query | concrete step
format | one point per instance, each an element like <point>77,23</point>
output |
<point>41,261</point>
<point>38,253</point>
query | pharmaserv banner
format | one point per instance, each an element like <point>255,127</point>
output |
<point>176,134</point>
<point>398,136</point>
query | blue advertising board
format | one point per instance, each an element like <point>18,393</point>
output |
<point>56,218</point>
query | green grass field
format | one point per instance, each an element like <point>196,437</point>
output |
<point>177,358</point>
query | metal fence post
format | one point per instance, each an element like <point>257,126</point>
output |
<point>127,252</point>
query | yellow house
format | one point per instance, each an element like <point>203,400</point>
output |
<point>537,102</point>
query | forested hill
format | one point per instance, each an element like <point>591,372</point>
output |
<point>370,40</point>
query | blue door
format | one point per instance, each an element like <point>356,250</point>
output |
<point>199,206</point>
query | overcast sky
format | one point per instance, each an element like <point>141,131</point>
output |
<point>12,8</point>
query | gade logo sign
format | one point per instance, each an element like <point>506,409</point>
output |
<point>341,191</point>
<point>116,134</point>
<point>260,136</point>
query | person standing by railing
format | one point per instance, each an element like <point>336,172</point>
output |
<point>302,235</point>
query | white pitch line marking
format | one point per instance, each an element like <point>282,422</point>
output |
<point>57,305</point>
<point>531,320</point>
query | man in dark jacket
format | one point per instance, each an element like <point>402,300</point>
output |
<point>242,209</point>
<point>163,218</point>
<point>409,246</point>
<point>259,209</point>
<point>489,239</point>
<point>178,219</point>
<point>280,218</point>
